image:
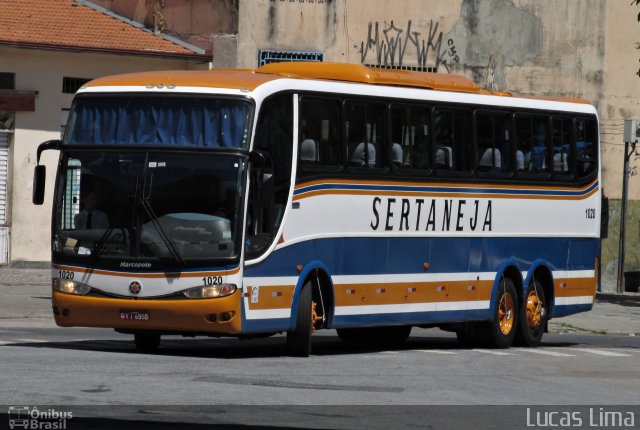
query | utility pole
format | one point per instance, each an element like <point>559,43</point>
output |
<point>631,137</point>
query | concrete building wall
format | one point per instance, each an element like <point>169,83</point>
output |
<point>573,48</point>
<point>43,71</point>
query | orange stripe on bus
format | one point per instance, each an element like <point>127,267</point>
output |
<point>442,184</point>
<point>411,292</point>
<point>436,194</point>
<point>272,297</point>
<point>574,287</point>
<point>168,275</point>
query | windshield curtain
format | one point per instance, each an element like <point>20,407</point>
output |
<point>154,120</point>
<point>174,207</point>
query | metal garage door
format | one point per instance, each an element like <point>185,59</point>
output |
<point>4,178</point>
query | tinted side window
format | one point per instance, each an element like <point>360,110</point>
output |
<point>561,145</point>
<point>271,180</point>
<point>410,146</point>
<point>365,130</point>
<point>532,144</point>
<point>494,142</point>
<point>452,140</point>
<point>320,142</point>
<point>586,148</point>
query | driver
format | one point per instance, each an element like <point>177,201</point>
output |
<point>90,217</point>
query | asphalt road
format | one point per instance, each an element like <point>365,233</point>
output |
<point>98,376</point>
<point>98,373</point>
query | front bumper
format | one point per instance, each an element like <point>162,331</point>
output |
<point>170,316</point>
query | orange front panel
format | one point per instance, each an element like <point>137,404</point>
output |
<point>164,315</point>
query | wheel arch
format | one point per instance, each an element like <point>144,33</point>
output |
<point>508,269</point>
<point>319,275</point>
<point>540,270</point>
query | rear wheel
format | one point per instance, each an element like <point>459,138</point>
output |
<point>299,339</point>
<point>501,331</point>
<point>146,341</point>
<point>533,316</point>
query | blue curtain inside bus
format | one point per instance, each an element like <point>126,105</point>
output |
<point>170,121</point>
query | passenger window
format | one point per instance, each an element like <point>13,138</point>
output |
<point>561,135</point>
<point>410,145</point>
<point>452,139</point>
<point>365,129</point>
<point>586,148</point>
<point>494,140</point>
<point>531,144</point>
<point>319,128</point>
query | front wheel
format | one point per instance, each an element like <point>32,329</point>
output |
<point>299,339</point>
<point>533,316</point>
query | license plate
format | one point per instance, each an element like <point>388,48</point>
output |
<point>134,315</point>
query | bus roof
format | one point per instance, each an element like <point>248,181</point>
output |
<point>248,79</point>
<point>217,78</point>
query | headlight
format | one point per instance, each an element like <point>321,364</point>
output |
<point>210,291</point>
<point>70,287</point>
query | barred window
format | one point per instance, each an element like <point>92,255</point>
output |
<point>269,56</point>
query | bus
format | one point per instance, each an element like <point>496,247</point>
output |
<point>304,196</point>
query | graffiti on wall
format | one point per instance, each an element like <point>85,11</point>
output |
<point>390,45</point>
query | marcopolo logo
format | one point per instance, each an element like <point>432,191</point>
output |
<point>24,417</point>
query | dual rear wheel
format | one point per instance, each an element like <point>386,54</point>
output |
<point>522,324</point>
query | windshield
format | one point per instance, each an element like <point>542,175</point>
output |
<point>174,207</point>
<point>185,121</point>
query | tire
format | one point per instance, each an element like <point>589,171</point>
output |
<point>533,316</point>
<point>146,341</point>
<point>299,339</point>
<point>500,332</point>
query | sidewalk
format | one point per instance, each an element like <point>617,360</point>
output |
<point>26,293</point>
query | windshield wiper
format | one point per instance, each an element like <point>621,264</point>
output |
<point>163,235</point>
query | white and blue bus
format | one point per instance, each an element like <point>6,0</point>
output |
<point>306,196</point>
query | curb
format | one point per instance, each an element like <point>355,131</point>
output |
<point>626,299</point>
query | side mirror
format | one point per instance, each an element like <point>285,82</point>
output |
<point>39,179</point>
<point>40,172</point>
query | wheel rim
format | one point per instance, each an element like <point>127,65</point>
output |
<point>534,311</point>
<point>315,318</point>
<point>506,310</point>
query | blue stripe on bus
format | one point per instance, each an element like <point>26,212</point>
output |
<point>564,310</point>
<point>414,318</point>
<point>394,255</point>
<point>436,189</point>
<point>272,325</point>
